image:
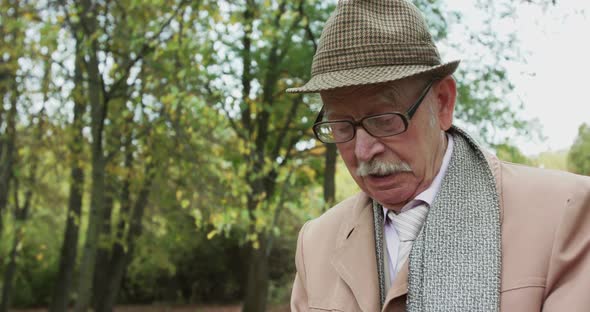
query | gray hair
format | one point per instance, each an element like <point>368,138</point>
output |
<point>381,167</point>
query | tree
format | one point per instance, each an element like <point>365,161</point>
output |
<point>21,212</point>
<point>130,107</point>
<point>98,102</point>
<point>25,88</point>
<point>24,130</point>
<point>110,92</point>
<point>11,35</point>
<point>69,249</point>
<point>578,159</point>
<point>274,49</point>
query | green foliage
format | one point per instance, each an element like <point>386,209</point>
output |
<point>178,264</point>
<point>36,263</point>
<point>511,153</point>
<point>186,262</point>
<point>578,158</point>
<point>552,160</point>
<point>261,50</point>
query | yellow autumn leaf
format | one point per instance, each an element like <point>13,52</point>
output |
<point>211,234</point>
<point>260,222</point>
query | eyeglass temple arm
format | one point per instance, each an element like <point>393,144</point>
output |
<point>412,110</point>
<point>320,116</point>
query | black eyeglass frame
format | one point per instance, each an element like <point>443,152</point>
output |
<point>406,117</point>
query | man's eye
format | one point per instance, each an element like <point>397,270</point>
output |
<point>340,128</point>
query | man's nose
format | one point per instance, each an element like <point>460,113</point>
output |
<point>366,146</point>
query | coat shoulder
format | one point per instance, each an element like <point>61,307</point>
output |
<point>543,182</point>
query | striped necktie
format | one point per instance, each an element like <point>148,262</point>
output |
<point>408,225</point>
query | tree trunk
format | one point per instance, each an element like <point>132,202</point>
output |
<point>103,255</point>
<point>20,217</point>
<point>97,197</point>
<point>9,272</point>
<point>9,89</point>
<point>116,272</point>
<point>257,280</point>
<point>67,260</point>
<point>122,258</point>
<point>94,217</point>
<point>21,213</point>
<point>117,263</point>
<point>329,175</point>
<point>97,201</point>
<point>7,143</point>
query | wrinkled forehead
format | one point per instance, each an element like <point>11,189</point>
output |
<point>393,95</point>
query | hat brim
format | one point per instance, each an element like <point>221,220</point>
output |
<point>372,75</point>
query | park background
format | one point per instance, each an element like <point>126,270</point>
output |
<point>150,157</point>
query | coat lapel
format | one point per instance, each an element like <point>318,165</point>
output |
<point>399,286</point>
<point>354,258</point>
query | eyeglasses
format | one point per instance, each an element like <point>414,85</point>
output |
<point>380,125</point>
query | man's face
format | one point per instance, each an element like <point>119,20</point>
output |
<point>394,169</point>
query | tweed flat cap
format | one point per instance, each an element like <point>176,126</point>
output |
<point>373,41</point>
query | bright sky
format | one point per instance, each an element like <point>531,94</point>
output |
<point>553,81</point>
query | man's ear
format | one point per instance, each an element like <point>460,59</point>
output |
<point>446,94</point>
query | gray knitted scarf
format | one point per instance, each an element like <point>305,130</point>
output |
<point>455,262</point>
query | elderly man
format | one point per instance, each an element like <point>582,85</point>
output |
<point>440,224</point>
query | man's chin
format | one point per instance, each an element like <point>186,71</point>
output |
<point>391,200</point>
<point>389,191</point>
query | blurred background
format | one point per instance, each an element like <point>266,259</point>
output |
<point>151,161</point>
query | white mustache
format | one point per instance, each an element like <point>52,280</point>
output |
<point>378,167</point>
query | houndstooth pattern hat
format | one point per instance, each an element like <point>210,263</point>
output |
<point>373,41</point>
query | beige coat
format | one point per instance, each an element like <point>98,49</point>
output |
<point>545,249</point>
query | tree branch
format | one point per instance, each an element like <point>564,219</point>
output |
<point>296,101</point>
<point>278,210</point>
<point>231,120</point>
<point>246,64</point>
<point>290,154</point>
<point>147,47</point>
<point>289,34</point>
